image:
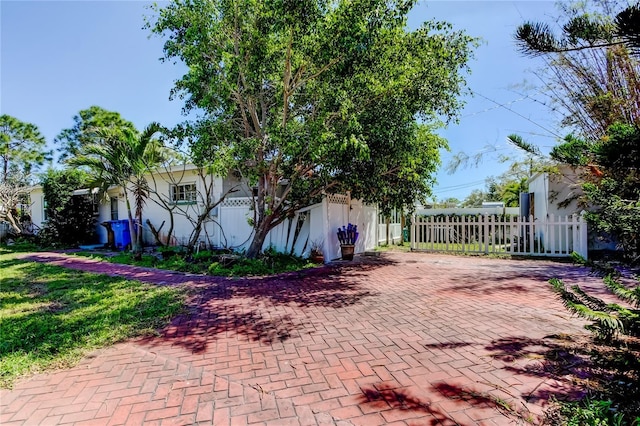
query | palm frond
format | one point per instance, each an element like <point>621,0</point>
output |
<point>590,301</point>
<point>631,295</point>
<point>606,323</point>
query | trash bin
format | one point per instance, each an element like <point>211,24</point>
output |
<point>111,242</point>
<point>121,233</point>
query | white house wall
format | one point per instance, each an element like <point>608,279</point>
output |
<point>557,195</point>
<point>282,236</point>
<point>37,206</point>
<point>339,215</point>
<point>318,227</point>
<point>369,225</point>
<point>539,186</point>
<point>235,231</point>
<point>228,225</point>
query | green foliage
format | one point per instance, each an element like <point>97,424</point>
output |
<point>507,186</point>
<point>524,145</point>
<point>608,319</point>
<point>304,98</point>
<point>19,245</point>
<point>590,412</point>
<point>583,31</point>
<point>612,183</point>
<point>70,218</point>
<point>122,157</point>
<point>219,263</point>
<point>22,147</point>
<point>572,151</point>
<point>578,259</point>
<point>87,125</point>
<point>590,72</point>
<point>269,263</point>
<point>51,317</point>
<point>630,295</point>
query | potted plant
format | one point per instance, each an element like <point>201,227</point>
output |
<point>316,255</point>
<point>348,236</point>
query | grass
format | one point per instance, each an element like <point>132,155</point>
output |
<point>214,263</point>
<point>50,317</point>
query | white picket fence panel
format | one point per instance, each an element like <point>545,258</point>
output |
<point>556,236</point>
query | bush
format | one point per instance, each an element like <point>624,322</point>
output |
<point>218,263</point>
<point>70,220</point>
<point>590,413</point>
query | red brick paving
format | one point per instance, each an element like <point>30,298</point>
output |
<point>408,339</point>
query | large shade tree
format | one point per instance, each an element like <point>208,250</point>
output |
<point>314,96</point>
<point>86,127</point>
<point>22,148</point>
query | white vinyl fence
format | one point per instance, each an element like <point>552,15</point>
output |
<point>556,236</point>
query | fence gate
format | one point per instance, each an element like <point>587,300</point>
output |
<point>556,236</point>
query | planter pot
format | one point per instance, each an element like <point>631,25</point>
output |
<point>317,257</point>
<point>347,251</point>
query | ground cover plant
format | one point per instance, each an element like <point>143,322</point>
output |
<point>216,263</point>
<point>612,383</point>
<point>50,316</point>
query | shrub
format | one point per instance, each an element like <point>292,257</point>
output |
<point>590,413</point>
<point>70,220</point>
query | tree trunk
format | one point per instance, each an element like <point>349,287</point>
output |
<point>388,222</point>
<point>262,230</point>
<point>13,222</point>
<point>156,233</point>
<point>134,236</point>
<point>138,252</point>
<point>195,234</point>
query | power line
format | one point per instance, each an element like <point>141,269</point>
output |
<point>462,185</point>
<point>517,113</point>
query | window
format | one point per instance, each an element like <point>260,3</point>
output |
<point>185,193</point>
<point>114,208</point>
<point>45,213</point>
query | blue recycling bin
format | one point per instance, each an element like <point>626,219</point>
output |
<point>121,233</point>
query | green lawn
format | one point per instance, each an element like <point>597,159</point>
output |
<point>50,316</point>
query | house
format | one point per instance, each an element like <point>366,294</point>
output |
<point>179,194</point>
<point>559,195</point>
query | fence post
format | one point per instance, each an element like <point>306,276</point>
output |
<point>532,236</point>
<point>485,236</point>
<point>413,232</point>
<point>583,243</point>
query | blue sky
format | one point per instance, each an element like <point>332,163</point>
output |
<point>60,57</point>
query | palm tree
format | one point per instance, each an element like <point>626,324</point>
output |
<point>122,157</point>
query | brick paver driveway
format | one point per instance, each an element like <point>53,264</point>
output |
<point>405,339</point>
